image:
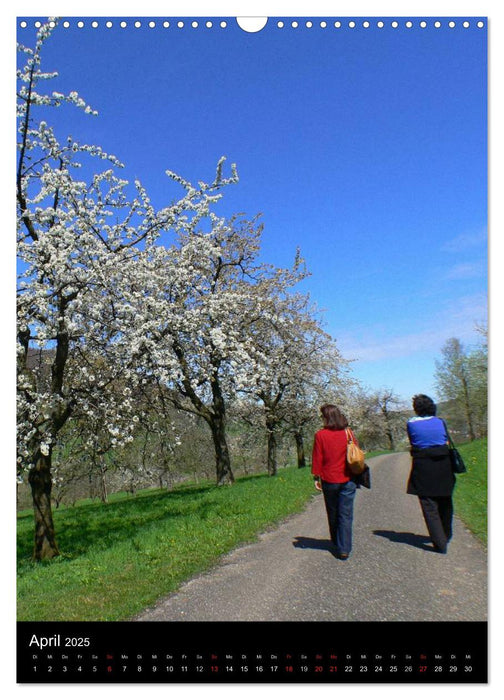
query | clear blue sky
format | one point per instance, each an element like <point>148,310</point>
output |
<point>365,147</point>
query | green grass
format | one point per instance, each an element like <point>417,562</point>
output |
<point>470,498</point>
<point>118,558</point>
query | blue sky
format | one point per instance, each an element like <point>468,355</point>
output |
<point>366,147</point>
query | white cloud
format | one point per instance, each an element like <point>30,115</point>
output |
<point>465,241</point>
<point>465,271</point>
<point>372,344</point>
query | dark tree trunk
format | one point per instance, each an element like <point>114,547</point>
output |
<point>272,450</point>
<point>222,458</point>
<point>40,477</point>
<point>218,427</point>
<point>214,416</point>
<point>301,457</point>
<point>390,439</point>
<point>467,408</point>
<point>103,485</point>
<point>40,480</point>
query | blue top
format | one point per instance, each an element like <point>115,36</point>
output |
<point>426,431</point>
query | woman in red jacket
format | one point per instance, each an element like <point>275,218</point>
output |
<point>333,477</point>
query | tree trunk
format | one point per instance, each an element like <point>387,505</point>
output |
<point>217,421</point>
<point>388,427</point>
<point>103,484</point>
<point>222,458</point>
<point>272,451</point>
<point>40,480</point>
<point>390,438</point>
<point>301,457</point>
<point>467,407</point>
<point>214,417</point>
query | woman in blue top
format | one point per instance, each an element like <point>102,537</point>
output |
<point>431,477</point>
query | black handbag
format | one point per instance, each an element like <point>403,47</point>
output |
<point>457,463</point>
<point>364,478</point>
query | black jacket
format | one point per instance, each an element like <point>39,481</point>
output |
<point>431,472</point>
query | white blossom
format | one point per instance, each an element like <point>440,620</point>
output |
<point>44,448</point>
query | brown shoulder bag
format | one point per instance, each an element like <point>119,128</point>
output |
<point>355,456</point>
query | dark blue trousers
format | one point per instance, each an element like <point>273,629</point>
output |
<point>339,501</point>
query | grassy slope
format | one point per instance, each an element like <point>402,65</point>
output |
<point>470,496</point>
<point>118,558</point>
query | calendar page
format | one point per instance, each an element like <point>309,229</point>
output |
<point>252,349</point>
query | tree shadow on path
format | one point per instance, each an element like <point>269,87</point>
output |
<point>419,541</point>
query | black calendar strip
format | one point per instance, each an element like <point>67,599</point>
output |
<point>335,652</point>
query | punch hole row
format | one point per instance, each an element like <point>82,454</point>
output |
<point>366,24</point>
<point>137,24</point>
<point>295,24</point>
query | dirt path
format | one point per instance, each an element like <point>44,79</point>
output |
<point>291,573</point>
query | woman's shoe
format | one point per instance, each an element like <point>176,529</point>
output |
<point>343,556</point>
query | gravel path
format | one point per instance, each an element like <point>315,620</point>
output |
<point>291,574</point>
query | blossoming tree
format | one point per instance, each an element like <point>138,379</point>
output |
<point>207,309</point>
<point>81,242</point>
<point>299,361</point>
<point>120,321</point>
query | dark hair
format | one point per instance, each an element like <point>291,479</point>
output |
<point>334,419</point>
<point>423,405</point>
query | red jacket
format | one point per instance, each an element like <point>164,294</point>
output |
<point>329,456</point>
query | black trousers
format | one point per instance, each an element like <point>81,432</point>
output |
<point>438,516</point>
